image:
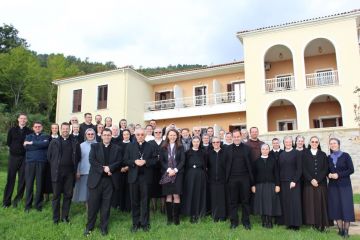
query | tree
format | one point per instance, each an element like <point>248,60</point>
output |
<point>19,69</point>
<point>9,39</point>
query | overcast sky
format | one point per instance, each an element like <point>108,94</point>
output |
<point>152,33</point>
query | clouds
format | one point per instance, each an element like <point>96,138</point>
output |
<point>153,33</point>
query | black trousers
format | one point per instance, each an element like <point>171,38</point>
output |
<point>100,200</point>
<point>140,201</point>
<point>65,185</point>
<point>239,189</point>
<point>16,165</point>
<point>34,171</point>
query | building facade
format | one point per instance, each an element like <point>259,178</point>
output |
<point>295,77</point>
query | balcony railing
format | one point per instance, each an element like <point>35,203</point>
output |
<point>322,79</point>
<point>280,84</point>
<point>195,101</point>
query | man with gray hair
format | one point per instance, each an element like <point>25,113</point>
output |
<point>141,158</point>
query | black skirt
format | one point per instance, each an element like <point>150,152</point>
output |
<point>218,200</point>
<point>266,200</point>
<point>315,206</point>
<point>173,188</point>
<point>194,197</point>
<point>291,204</point>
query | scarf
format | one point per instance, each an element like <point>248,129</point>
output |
<point>335,156</point>
<point>171,164</point>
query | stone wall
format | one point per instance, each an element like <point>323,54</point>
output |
<point>350,143</point>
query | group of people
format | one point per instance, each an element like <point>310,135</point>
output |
<point>192,173</point>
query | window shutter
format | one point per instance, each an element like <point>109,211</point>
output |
<point>340,122</point>
<point>77,96</point>
<point>102,96</point>
<point>229,87</point>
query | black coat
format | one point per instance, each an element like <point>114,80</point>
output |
<point>179,158</point>
<point>267,171</point>
<point>315,167</point>
<point>54,156</point>
<point>290,166</point>
<point>229,158</point>
<point>97,161</point>
<point>149,155</point>
<point>216,166</point>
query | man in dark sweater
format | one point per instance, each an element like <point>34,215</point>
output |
<point>36,145</point>
<point>239,179</point>
<point>16,163</point>
<point>255,144</point>
<point>85,125</point>
<point>63,155</point>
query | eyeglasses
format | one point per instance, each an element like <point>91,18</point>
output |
<point>314,141</point>
<point>107,135</point>
<point>215,142</point>
<point>90,134</point>
<point>157,132</point>
<point>139,134</point>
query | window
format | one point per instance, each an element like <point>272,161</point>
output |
<point>286,125</point>
<point>77,94</point>
<point>324,122</point>
<point>164,100</point>
<point>239,127</point>
<point>102,96</point>
<point>200,96</point>
<point>236,92</point>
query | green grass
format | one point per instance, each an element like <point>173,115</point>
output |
<point>16,224</point>
<point>356,198</point>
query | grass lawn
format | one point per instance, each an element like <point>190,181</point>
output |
<point>15,224</point>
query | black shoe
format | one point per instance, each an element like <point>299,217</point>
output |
<point>39,209</point>
<point>247,226</point>
<point>346,234</point>
<point>134,228</point>
<point>66,220</point>
<point>146,228</point>
<point>27,210</point>
<point>6,205</point>
<point>104,231</point>
<point>341,232</point>
<point>193,219</point>
<point>56,222</point>
<point>87,232</point>
<point>234,225</point>
<point>15,204</point>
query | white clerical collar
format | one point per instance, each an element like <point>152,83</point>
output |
<point>126,141</point>
<point>262,156</point>
<point>76,134</point>
<point>205,145</point>
<point>217,150</point>
<point>288,150</point>
<point>55,136</point>
<point>313,151</point>
<point>276,150</point>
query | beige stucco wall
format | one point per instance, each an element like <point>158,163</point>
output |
<point>341,32</point>
<point>127,92</point>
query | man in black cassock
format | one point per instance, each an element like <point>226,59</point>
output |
<point>105,160</point>
<point>141,158</point>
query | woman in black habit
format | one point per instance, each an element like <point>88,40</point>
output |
<point>216,179</point>
<point>267,188</point>
<point>172,160</point>
<point>194,204</point>
<point>315,169</point>
<point>290,167</point>
<point>156,191</point>
<point>124,194</point>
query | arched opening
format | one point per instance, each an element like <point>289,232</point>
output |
<point>279,70</point>
<point>320,63</point>
<point>281,116</point>
<point>325,111</point>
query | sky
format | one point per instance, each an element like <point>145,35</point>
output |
<point>150,33</point>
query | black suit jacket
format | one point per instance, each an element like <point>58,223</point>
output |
<point>149,155</point>
<point>229,158</point>
<point>97,161</point>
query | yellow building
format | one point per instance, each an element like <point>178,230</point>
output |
<point>294,76</point>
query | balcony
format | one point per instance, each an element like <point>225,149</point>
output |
<point>195,106</point>
<point>324,78</point>
<point>280,84</point>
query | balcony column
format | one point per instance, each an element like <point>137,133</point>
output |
<point>178,96</point>
<point>299,69</point>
